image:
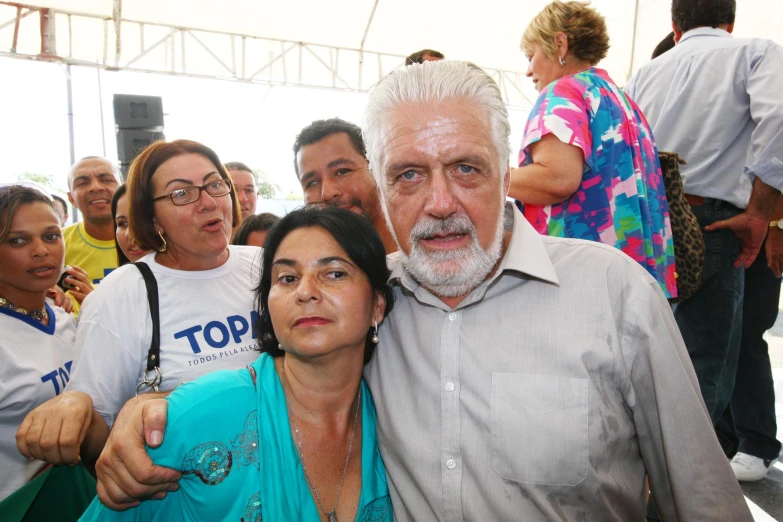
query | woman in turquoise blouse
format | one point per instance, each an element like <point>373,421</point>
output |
<point>292,436</point>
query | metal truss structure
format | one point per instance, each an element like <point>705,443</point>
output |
<point>114,43</point>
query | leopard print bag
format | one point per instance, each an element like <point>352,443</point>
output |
<point>688,239</point>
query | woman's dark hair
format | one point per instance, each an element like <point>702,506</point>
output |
<point>11,198</point>
<point>122,259</point>
<point>354,233</point>
<point>667,44</point>
<point>254,223</point>
<point>690,14</point>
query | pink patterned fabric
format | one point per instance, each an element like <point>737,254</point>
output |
<point>622,199</point>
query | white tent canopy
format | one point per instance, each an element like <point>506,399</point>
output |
<point>340,44</point>
<point>338,49</point>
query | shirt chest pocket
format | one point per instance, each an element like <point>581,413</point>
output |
<point>540,428</point>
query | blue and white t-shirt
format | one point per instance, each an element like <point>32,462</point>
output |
<point>36,365</point>
<point>207,323</point>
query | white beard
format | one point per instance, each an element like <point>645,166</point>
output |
<point>452,273</point>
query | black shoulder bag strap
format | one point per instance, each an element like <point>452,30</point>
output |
<point>152,375</point>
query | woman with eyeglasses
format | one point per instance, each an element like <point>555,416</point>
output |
<point>183,209</point>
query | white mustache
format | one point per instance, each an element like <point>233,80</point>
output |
<point>454,224</point>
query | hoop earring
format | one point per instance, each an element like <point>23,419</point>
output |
<point>375,339</point>
<point>562,61</point>
<point>164,246</point>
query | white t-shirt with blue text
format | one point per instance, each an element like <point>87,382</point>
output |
<point>207,323</point>
<point>36,365</point>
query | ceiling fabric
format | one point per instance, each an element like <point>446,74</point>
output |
<point>486,32</point>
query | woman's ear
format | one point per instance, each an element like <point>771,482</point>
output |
<point>561,44</point>
<point>379,307</point>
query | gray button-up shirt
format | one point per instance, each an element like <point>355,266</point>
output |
<point>547,394</point>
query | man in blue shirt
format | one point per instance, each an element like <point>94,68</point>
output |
<point>715,101</point>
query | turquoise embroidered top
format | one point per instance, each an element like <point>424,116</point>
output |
<point>232,441</point>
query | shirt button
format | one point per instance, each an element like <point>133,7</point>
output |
<point>451,464</point>
<point>449,386</point>
<point>452,316</point>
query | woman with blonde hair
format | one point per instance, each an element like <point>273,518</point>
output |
<point>589,168</point>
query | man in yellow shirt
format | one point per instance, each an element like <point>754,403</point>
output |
<point>89,244</point>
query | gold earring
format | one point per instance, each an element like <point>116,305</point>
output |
<point>164,246</point>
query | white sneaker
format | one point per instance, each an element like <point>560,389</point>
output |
<point>748,468</point>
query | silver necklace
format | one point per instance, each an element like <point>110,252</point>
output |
<point>331,516</point>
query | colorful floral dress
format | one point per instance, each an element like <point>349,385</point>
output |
<point>232,441</point>
<point>622,199</point>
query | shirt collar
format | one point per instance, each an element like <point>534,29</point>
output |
<point>526,254</point>
<point>705,31</point>
<point>47,329</point>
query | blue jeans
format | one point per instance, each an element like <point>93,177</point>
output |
<point>748,424</point>
<point>711,320</point>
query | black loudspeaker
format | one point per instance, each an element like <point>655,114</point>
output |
<point>130,143</point>
<point>138,112</point>
<point>139,122</point>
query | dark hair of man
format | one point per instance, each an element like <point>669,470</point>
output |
<point>254,223</point>
<point>664,45</point>
<point>418,56</point>
<point>320,129</point>
<point>11,198</point>
<point>61,202</point>
<point>122,259</point>
<point>354,233</point>
<point>238,165</point>
<point>141,208</point>
<point>690,14</point>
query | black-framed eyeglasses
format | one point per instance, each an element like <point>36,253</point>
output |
<point>192,193</point>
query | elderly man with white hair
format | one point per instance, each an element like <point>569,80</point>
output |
<point>519,377</point>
